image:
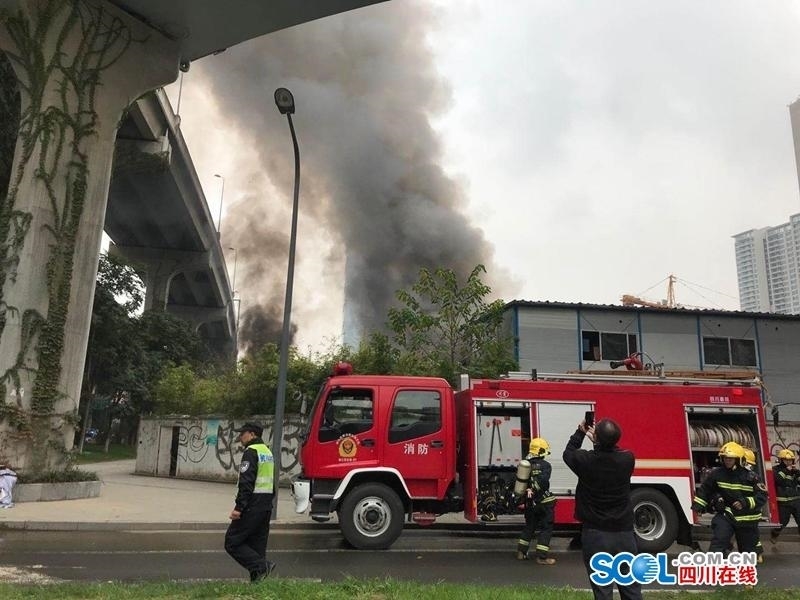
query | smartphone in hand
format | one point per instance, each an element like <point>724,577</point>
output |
<point>588,418</point>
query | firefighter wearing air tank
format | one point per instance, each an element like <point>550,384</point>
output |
<point>735,496</point>
<point>533,489</point>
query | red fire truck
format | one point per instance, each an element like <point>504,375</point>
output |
<point>381,450</point>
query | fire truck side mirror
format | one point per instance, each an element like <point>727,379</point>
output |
<point>775,416</point>
<point>463,382</point>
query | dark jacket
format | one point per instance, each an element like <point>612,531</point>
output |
<point>787,483</point>
<point>248,471</point>
<point>540,480</point>
<point>603,495</point>
<point>726,486</point>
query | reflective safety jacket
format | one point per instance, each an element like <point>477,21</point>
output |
<point>540,480</point>
<point>730,485</point>
<point>787,483</point>
<point>256,477</point>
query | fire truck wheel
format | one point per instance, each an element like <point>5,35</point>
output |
<point>654,519</point>
<point>371,517</point>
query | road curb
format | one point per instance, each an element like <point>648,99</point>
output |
<point>142,526</point>
<point>221,526</point>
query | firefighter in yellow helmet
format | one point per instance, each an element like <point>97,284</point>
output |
<point>539,503</point>
<point>736,496</point>
<point>750,464</point>
<point>787,484</point>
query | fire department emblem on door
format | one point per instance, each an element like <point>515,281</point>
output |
<point>348,447</point>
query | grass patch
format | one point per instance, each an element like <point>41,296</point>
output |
<point>349,589</point>
<point>95,453</point>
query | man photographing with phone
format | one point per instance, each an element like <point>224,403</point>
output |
<point>602,497</point>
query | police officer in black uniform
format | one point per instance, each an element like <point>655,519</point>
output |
<point>603,499</point>
<point>246,538</point>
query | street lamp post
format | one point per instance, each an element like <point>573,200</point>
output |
<point>285,102</point>
<point>238,310</point>
<point>235,262</point>
<point>221,200</point>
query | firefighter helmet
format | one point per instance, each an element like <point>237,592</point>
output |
<point>539,447</point>
<point>786,453</point>
<point>750,456</point>
<point>731,450</point>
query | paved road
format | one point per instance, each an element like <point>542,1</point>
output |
<point>126,535</point>
<point>316,554</point>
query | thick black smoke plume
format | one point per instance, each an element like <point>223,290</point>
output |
<point>366,89</point>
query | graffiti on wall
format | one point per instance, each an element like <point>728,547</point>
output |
<point>196,441</point>
<point>192,444</point>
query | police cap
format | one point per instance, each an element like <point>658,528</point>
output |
<point>252,428</point>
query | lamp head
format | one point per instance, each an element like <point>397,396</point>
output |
<point>284,100</point>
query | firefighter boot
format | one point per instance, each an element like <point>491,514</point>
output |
<point>545,560</point>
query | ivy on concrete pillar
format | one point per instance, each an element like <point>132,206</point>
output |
<point>79,64</point>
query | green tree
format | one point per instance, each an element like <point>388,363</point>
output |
<point>114,353</point>
<point>129,352</point>
<point>165,341</point>
<point>248,389</point>
<point>444,328</point>
<point>182,391</point>
<point>375,356</point>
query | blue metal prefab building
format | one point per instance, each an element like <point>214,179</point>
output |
<point>560,337</point>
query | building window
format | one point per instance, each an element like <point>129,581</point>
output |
<point>730,352</point>
<point>600,345</point>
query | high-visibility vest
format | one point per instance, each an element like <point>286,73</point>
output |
<point>266,469</point>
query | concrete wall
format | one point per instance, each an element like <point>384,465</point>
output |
<point>205,447</point>
<point>671,339</point>
<point>547,340</point>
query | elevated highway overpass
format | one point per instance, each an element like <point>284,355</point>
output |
<point>159,221</point>
<point>81,64</point>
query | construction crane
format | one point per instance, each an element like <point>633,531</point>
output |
<point>629,300</point>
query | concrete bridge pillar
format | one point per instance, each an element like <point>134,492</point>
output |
<point>157,267</point>
<point>79,64</point>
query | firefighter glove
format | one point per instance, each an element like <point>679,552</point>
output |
<point>719,504</point>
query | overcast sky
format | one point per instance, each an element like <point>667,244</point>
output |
<point>581,150</point>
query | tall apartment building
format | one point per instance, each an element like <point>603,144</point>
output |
<point>768,268</point>
<point>751,270</point>
<point>768,259</point>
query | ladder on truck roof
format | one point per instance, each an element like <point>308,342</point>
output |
<point>746,378</point>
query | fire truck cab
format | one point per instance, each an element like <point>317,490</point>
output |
<point>383,450</point>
